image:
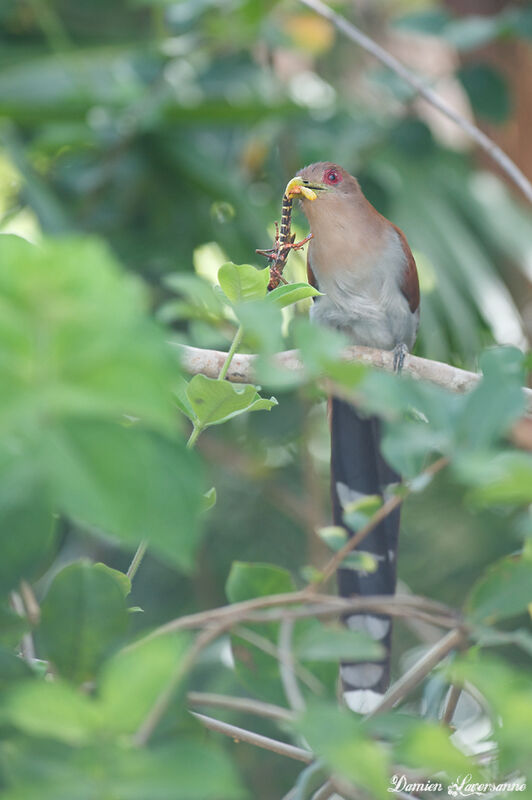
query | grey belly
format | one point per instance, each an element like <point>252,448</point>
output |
<point>381,329</point>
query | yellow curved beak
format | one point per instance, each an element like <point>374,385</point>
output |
<point>296,187</point>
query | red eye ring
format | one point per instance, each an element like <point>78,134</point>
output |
<point>332,177</point>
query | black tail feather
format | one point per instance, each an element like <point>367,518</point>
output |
<point>358,468</point>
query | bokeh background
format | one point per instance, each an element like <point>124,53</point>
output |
<point>170,129</point>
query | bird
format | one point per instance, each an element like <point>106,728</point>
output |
<point>365,271</point>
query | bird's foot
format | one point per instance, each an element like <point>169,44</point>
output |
<point>400,351</point>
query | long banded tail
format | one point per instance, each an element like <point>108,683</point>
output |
<point>358,468</point>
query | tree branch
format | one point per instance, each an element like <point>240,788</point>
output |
<point>245,704</point>
<point>243,735</point>
<point>242,370</point>
<point>420,670</point>
<point>493,150</point>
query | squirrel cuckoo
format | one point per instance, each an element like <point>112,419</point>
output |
<point>363,265</point>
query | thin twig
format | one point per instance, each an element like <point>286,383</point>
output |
<point>325,791</point>
<point>246,704</point>
<point>228,616</point>
<point>386,509</point>
<point>421,668</point>
<point>451,703</point>
<point>160,706</point>
<point>243,735</point>
<point>287,664</point>
<point>493,150</point>
<point>266,646</point>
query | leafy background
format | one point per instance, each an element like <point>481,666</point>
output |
<point>165,132</point>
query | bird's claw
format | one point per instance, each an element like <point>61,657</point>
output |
<point>400,351</point>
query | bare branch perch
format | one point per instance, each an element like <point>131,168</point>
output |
<point>382,55</point>
<point>242,370</point>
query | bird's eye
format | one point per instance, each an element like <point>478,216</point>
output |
<point>332,177</point>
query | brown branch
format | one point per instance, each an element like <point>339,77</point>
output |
<point>386,509</point>
<point>242,370</point>
<point>246,704</point>
<point>420,670</point>
<point>451,703</point>
<point>493,150</point>
<point>243,735</point>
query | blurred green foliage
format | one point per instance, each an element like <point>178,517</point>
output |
<point>143,145</point>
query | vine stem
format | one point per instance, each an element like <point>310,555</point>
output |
<point>232,350</point>
<point>137,559</point>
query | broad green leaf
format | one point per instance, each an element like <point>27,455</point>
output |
<point>118,576</point>
<point>488,91</point>
<point>258,670</point>
<point>201,300</point>
<point>184,769</point>
<point>84,615</point>
<point>12,627</point>
<point>76,337</point>
<point>505,590</point>
<point>503,478</point>
<point>129,483</point>
<point>132,680</point>
<point>214,402</point>
<point>290,293</point>
<point>51,709</point>
<point>246,581</point>
<point>472,32</point>
<point>339,738</point>
<point>495,403</point>
<point>322,643</point>
<point>27,537</point>
<point>242,282</point>
<point>12,668</point>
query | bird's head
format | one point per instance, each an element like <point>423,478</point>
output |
<point>322,184</point>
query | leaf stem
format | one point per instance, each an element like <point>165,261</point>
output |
<point>232,350</point>
<point>137,559</point>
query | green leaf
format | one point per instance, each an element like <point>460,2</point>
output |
<point>209,499</point>
<point>12,627</point>
<point>184,769</point>
<point>129,483</point>
<point>51,709</point>
<point>83,616</point>
<point>12,668</point>
<point>322,643</point>
<point>359,512</point>
<point>505,590</point>
<point>488,91</point>
<point>27,538</point>
<point>472,32</point>
<point>286,295</point>
<point>121,578</point>
<point>496,402</point>
<point>258,670</point>
<point>242,282</point>
<point>426,745</point>
<point>214,402</point>
<point>496,479</point>
<point>247,581</point>
<point>334,536</point>
<point>132,680</point>
<point>339,738</point>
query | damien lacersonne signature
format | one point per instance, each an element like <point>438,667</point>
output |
<point>461,787</point>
